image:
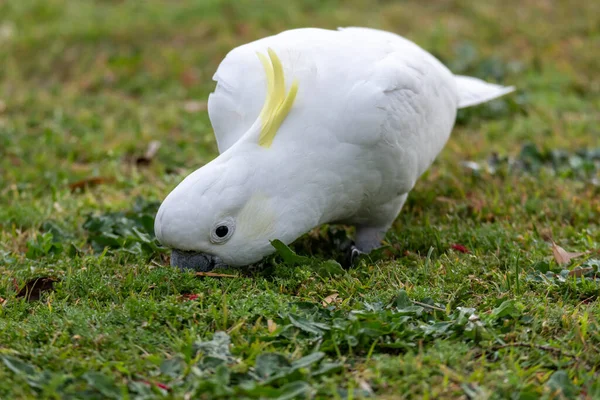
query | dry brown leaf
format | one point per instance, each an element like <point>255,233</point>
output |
<point>580,271</point>
<point>562,256</point>
<point>444,199</point>
<point>194,106</point>
<point>89,182</point>
<point>243,29</point>
<point>545,233</point>
<point>332,298</point>
<point>148,156</point>
<point>33,289</point>
<point>215,275</point>
<point>364,385</point>
<point>271,326</point>
<point>189,77</point>
<point>14,160</point>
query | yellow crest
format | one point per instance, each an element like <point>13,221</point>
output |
<point>277,104</point>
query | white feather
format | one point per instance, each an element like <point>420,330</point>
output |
<point>473,91</point>
<point>372,112</point>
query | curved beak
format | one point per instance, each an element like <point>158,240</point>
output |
<point>200,262</point>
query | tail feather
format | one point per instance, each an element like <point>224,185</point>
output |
<point>473,91</point>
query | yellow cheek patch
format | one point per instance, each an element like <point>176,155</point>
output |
<point>277,104</point>
<point>256,219</point>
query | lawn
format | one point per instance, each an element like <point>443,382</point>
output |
<point>103,112</point>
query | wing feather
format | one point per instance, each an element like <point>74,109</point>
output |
<point>345,80</point>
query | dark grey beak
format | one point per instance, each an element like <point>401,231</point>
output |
<point>200,262</point>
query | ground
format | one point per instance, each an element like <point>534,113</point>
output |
<point>467,300</point>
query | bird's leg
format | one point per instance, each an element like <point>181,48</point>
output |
<point>367,239</point>
<point>355,253</point>
<point>351,256</point>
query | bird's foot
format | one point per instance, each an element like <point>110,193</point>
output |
<point>353,255</point>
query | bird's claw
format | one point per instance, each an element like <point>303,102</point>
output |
<point>353,256</point>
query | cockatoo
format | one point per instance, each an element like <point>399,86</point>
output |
<point>313,126</point>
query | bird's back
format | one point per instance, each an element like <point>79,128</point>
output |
<point>363,86</point>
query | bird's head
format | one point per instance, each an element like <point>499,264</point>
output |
<point>223,213</point>
<point>229,210</point>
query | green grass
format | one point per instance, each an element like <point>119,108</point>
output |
<point>85,86</point>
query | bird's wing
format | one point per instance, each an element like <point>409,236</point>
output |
<point>349,81</point>
<point>238,97</point>
<point>323,61</point>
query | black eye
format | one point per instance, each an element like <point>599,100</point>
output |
<point>222,231</point>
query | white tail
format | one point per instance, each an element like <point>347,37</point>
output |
<point>473,91</point>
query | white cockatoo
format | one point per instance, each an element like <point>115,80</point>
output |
<point>313,126</point>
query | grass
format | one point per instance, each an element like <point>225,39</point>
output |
<point>85,87</point>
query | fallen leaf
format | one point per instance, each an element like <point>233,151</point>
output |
<point>443,199</point>
<point>243,29</point>
<point>2,301</point>
<point>14,160</point>
<point>89,182</point>
<point>190,296</point>
<point>189,77</point>
<point>364,386</point>
<point>215,275</point>
<point>545,234</point>
<point>157,384</point>
<point>271,326</point>
<point>579,272</point>
<point>32,290</point>
<point>475,203</point>
<point>332,298</point>
<point>148,156</point>
<point>194,106</point>
<point>471,165</point>
<point>460,248</point>
<point>562,256</point>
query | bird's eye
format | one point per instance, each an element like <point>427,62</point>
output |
<point>222,231</point>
